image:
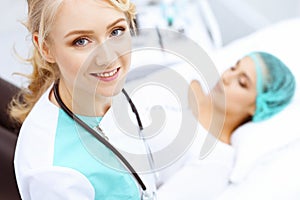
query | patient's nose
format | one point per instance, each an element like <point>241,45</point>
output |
<point>227,76</point>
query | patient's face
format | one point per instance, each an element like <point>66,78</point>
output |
<point>238,83</point>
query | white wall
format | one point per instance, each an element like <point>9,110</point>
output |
<point>13,36</point>
<point>238,18</point>
<point>276,10</point>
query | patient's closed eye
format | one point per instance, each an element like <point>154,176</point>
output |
<point>243,80</point>
<point>233,68</point>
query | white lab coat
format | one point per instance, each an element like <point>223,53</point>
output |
<point>38,178</point>
<point>179,155</point>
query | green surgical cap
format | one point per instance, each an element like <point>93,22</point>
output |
<point>275,85</point>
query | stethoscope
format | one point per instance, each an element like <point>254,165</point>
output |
<point>146,195</point>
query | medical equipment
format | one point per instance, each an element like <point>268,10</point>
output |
<point>146,194</point>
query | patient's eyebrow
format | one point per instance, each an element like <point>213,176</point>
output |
<point>238,63</point>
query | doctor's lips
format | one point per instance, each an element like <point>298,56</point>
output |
<point>107,75</point>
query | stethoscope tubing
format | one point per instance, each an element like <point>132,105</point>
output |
<point>99,137</point>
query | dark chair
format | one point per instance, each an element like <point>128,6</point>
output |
<point>8,137</point>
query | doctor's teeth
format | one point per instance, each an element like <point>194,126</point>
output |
<point>107,74</point>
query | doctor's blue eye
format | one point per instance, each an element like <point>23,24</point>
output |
<point>81,42</point>
<point>117,32</point>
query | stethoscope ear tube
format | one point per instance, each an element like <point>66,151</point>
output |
<point>96,135</point>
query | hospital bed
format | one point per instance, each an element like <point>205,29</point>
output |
<point>257,143</point>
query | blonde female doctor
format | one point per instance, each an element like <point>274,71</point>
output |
<point>82,49</point>
<point>70,146</point>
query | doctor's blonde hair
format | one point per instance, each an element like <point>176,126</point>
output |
<point>41,15</point>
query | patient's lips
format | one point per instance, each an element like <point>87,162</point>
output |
<point>219,87</point>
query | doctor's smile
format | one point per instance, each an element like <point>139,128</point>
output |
<point>107,76</point>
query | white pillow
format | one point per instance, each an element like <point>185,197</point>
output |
<point>253,142</point>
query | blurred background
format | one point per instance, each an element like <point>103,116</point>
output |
<point>225,29</point>
<point>212,24</point>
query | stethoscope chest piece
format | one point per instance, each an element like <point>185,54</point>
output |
<point>146,195</point>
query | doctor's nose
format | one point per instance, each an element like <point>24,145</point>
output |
<point>106,55</point>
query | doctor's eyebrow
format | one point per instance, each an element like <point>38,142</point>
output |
<point>90,32</point>
<point>79,32</point>
<point>115,22</point>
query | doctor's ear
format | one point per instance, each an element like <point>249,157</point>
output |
<point>44,49</point>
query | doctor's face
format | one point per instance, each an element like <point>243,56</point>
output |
<point>90,42</point>
<point>238,83</point>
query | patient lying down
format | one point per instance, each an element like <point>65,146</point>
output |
<point>258,87</point>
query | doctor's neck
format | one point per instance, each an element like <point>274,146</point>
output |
<point>82,103</point>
